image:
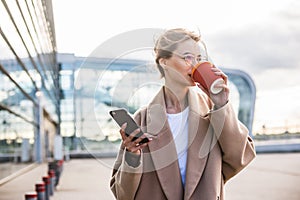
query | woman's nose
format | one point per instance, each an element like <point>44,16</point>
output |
<point>194,62</point>
<point>191,69</point>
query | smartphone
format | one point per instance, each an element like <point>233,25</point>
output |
<point>121,116</point>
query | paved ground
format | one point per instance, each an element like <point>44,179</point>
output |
<point>270,176</point>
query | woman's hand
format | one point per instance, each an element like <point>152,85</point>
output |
<point>221,98</point>
<point>130,145</point>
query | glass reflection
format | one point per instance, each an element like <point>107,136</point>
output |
<point>28,62</point>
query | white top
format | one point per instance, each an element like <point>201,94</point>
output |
<point>179,127</point>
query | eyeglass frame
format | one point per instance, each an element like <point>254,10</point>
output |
<point>192,58</point>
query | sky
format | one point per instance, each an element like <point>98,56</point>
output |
<point>260,37</point>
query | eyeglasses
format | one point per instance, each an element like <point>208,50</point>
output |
<point>192,60</point>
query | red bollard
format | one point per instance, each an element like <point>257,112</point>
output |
<point>40,189</point>
<point>57,166</point>
<point>51,174</point>
<point>46,180</point>
<point>30,196</point>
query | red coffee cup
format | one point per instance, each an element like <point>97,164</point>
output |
<point>202,74</point>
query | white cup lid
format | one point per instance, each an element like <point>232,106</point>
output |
<point>216,90</point>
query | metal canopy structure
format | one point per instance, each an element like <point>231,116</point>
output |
<point>242,81</point>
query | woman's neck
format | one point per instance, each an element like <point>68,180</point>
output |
<point>176,99</point>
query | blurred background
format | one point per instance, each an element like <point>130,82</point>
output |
<point>65,64</point>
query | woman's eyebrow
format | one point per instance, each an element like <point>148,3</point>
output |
<point>186,53</point>
<point>190,53</point>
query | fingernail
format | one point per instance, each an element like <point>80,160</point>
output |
<point>124,125</point>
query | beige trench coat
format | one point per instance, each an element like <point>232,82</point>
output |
<point>218,148</point>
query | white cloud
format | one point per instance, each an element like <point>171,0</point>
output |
<point>273,43</point>
<point>258,48</point>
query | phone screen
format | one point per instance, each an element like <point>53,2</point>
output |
<point>121,116</point>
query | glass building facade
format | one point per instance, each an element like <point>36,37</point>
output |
<point>29,83</point>
<point>94,86</point>
<point>44,94</point>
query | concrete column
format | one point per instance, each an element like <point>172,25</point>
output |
<point>38,150</point>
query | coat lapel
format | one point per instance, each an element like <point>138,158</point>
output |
<point>199,142</point>
<point>162,149</point>
<point>164,157</point>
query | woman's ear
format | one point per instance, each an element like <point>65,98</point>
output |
<point>163,62</point>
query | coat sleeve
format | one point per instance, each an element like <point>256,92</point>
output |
<point>125,178</point>
<point>237,146</point>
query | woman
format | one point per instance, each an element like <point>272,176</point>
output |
<point>196,142</point>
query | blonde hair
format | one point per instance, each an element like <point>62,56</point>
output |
<point>167,43</point>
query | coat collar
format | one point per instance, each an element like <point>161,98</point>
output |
<point>163,150</point>
<point>156,111</point>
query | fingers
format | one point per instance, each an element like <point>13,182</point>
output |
<point>224,86</point>
<point>131,142</point>
<point>218,72</point>
<point>132,135</point>
<point>135,145</point>
<point>137,148</point>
